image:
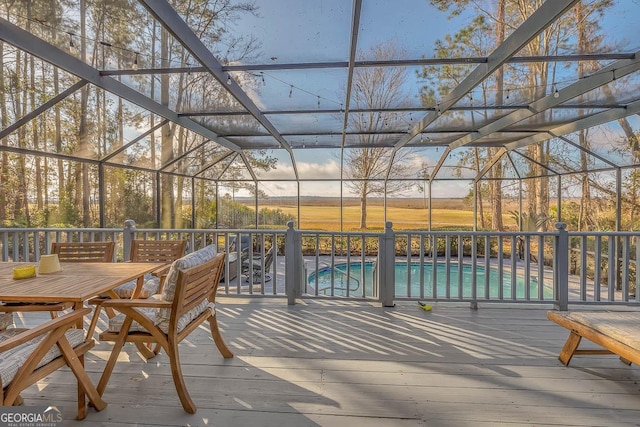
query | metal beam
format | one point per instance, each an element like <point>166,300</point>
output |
<point>70,158</point>
<point>247,163</point>
<point>353,46</point>
<point>59,156</point>
<point>213,163</point>
<point>582,86</point>
<point>35,46</point>
<point>542,165</point>
<point>395,110</point>
<point>578,125</point>
<point>589,152</point>
<point>360,64</point>
<point>540,19</point>
<point>41,109</point>
<point>537,22</point>
<point>513,165</point>
<point>133,141</point>
<point>183,155</point>
<point>602,77</point>
<point>174,24</point>
<point>355,26</point>
<point>496,157</point>
<point>227,167</point>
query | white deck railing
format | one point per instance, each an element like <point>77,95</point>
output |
<point>557,267</point>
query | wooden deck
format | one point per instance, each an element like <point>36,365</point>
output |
<point>333,363</point>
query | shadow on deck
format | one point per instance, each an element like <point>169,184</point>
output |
<point>339,363</point>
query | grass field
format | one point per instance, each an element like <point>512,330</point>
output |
<point>324,213</point>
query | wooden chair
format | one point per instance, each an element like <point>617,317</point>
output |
<point>187,300</point>
<point>28,355</point>
<point>67,252</point>
<point>83,251</point>
<point>154,251</point>
<point>6,320</point>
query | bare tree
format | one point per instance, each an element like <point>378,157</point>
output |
<point>376,88</point>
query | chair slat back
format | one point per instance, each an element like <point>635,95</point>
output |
<point>161,251</point>
<point>197,284</point>
<point>268,259</point>
<point>84,251</point>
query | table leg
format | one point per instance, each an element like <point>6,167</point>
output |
<point>78,306</point>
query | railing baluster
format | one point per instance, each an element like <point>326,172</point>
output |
<point>541,267</point>
<point>434,266</point>
<point>514,266</point>
<point>447,262</point>
<point>637,295</point>
<point>474,267</point>
<point>421,265</point>
<point>625,267</point>
<point>487,269</point>
<point>348,266</point>
<point>5,246</point>
<point>408,260</point>
<point>363,264</point>
<point>612,267</point>
<point>527,267</point>
<point>316,292</point>
<point>500,269</point>
<point>333,265</point>
<point>583,268</point>
<point>596,269</point>
<point>460,265</point>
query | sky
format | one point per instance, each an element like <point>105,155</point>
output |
<point>293,31</point>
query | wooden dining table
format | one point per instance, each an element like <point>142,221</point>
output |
<point>74,283</point>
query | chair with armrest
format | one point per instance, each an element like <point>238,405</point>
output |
<point>156,251</point>
<point>28,355</point>
<point>187,301</point>
<point>152,251</point>
<point>6,320</point>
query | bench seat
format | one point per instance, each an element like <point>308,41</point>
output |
<point>618,332</point>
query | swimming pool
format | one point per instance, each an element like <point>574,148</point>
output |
<point>414,288</point>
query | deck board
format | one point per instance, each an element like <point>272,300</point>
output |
<point>333,363</point>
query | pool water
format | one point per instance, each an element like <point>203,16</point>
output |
<point>413,290</point>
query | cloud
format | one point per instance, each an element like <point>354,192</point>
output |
<point>329,169</point>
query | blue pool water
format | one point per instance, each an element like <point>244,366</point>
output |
<point>356,285</point>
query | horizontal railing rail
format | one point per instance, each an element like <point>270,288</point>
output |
<point>552,267</point>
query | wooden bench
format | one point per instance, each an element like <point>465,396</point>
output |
<point>29,355</point>
<point>618,332</point>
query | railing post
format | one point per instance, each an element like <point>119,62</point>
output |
<point>561,267</point>
<point>128,234</point>
<point>387,265</point>
<point>293,264</point>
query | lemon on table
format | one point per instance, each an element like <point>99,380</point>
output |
<point>24,272</point>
